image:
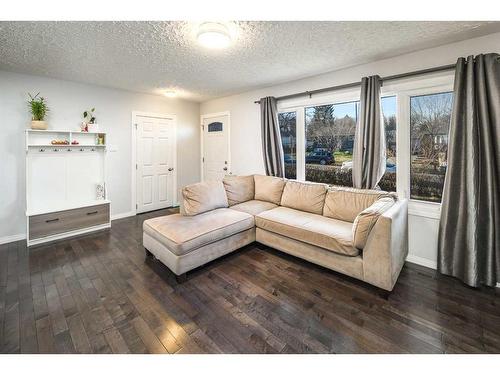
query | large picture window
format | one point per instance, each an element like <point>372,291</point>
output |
<point>318,139</point>
<point>288,130</point>
<point>429,123</point>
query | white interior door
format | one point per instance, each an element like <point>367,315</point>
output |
<point>215,158</point>
<point>155,175</point>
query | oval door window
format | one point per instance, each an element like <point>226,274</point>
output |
<point>215,127</point>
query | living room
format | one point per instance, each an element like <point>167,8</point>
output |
<point>293,186</point>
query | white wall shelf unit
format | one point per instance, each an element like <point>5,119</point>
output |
<point>62,183</point>
<point>44,138</point>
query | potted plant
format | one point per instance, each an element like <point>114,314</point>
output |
<point>38,108</point>
<point>89,121</point>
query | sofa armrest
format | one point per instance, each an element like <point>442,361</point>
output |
<point>387,247</point>
<point>366,219</point>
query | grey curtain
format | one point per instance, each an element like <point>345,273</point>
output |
<point>369,141</point>
<point>272,148</point>
<point>469,231</point>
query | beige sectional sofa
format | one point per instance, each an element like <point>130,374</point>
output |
<point>361,233</point>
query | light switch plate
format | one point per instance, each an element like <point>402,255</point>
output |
<point>112,148</point>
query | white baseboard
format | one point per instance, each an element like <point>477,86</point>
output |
<point>122,215</point>
<point>13,238</point>
<point>426,263</point>
<point>422,261</point>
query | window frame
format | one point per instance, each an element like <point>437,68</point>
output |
<point>299,106</point>
<point>403,90</point>
<point>299,139</point>
<point>215,123</point>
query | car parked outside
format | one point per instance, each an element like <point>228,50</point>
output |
<point>320,157</point>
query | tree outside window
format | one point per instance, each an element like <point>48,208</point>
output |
<point>429,123</point>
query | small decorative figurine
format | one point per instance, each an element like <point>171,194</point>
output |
<point>99,191</point>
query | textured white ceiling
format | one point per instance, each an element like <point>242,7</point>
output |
<point>151,56</point>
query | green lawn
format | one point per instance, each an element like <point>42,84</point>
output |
<point>341,157</point>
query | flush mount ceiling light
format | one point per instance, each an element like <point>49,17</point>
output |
<point>214,35</point>
<point>170,93</point>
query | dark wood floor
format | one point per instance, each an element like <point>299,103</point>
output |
<point>99,294</point>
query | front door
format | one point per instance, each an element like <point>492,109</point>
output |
<point>215,158</point>
<point>155,175</point>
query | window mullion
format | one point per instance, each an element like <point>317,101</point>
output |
<point>301,144</point>
<point>403,156</point>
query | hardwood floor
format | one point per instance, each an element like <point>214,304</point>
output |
<point>100,294</point>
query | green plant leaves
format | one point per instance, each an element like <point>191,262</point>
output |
<point>38,107</point>
<point>88,116</point>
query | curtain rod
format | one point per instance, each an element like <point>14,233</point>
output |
<point>354,84</point>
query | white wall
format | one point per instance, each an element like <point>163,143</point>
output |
<point>246,151</point>
<point>67,100</point>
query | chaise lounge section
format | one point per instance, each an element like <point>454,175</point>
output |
<point>360,233</point>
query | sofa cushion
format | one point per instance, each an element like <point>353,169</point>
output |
<point>239,189</point>
<point>345,203</point>
<point>183,234</point>
<point>329,234</point>
<point>367,218</point>
<point>254,207</point>
<point>269,188</point>
<point>203,197</point>
<point>304,196</point>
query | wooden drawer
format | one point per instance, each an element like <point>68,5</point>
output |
<point>66,221</point>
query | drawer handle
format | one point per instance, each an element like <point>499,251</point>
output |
<point>52,220</point>
<point>92,213</point>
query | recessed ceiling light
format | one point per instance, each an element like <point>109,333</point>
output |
<point>170,93</point>
<point>214,35</point>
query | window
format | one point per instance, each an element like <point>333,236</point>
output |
<point>388,180</point>
<point>330,131</point>
<point>288,130</point>
<point>215,127</point>
<point>325,134</point>
<point>329,142</point>
<point>429,123</point>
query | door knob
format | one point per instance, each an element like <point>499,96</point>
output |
<point>170,169</point>
<point>225,168</point>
